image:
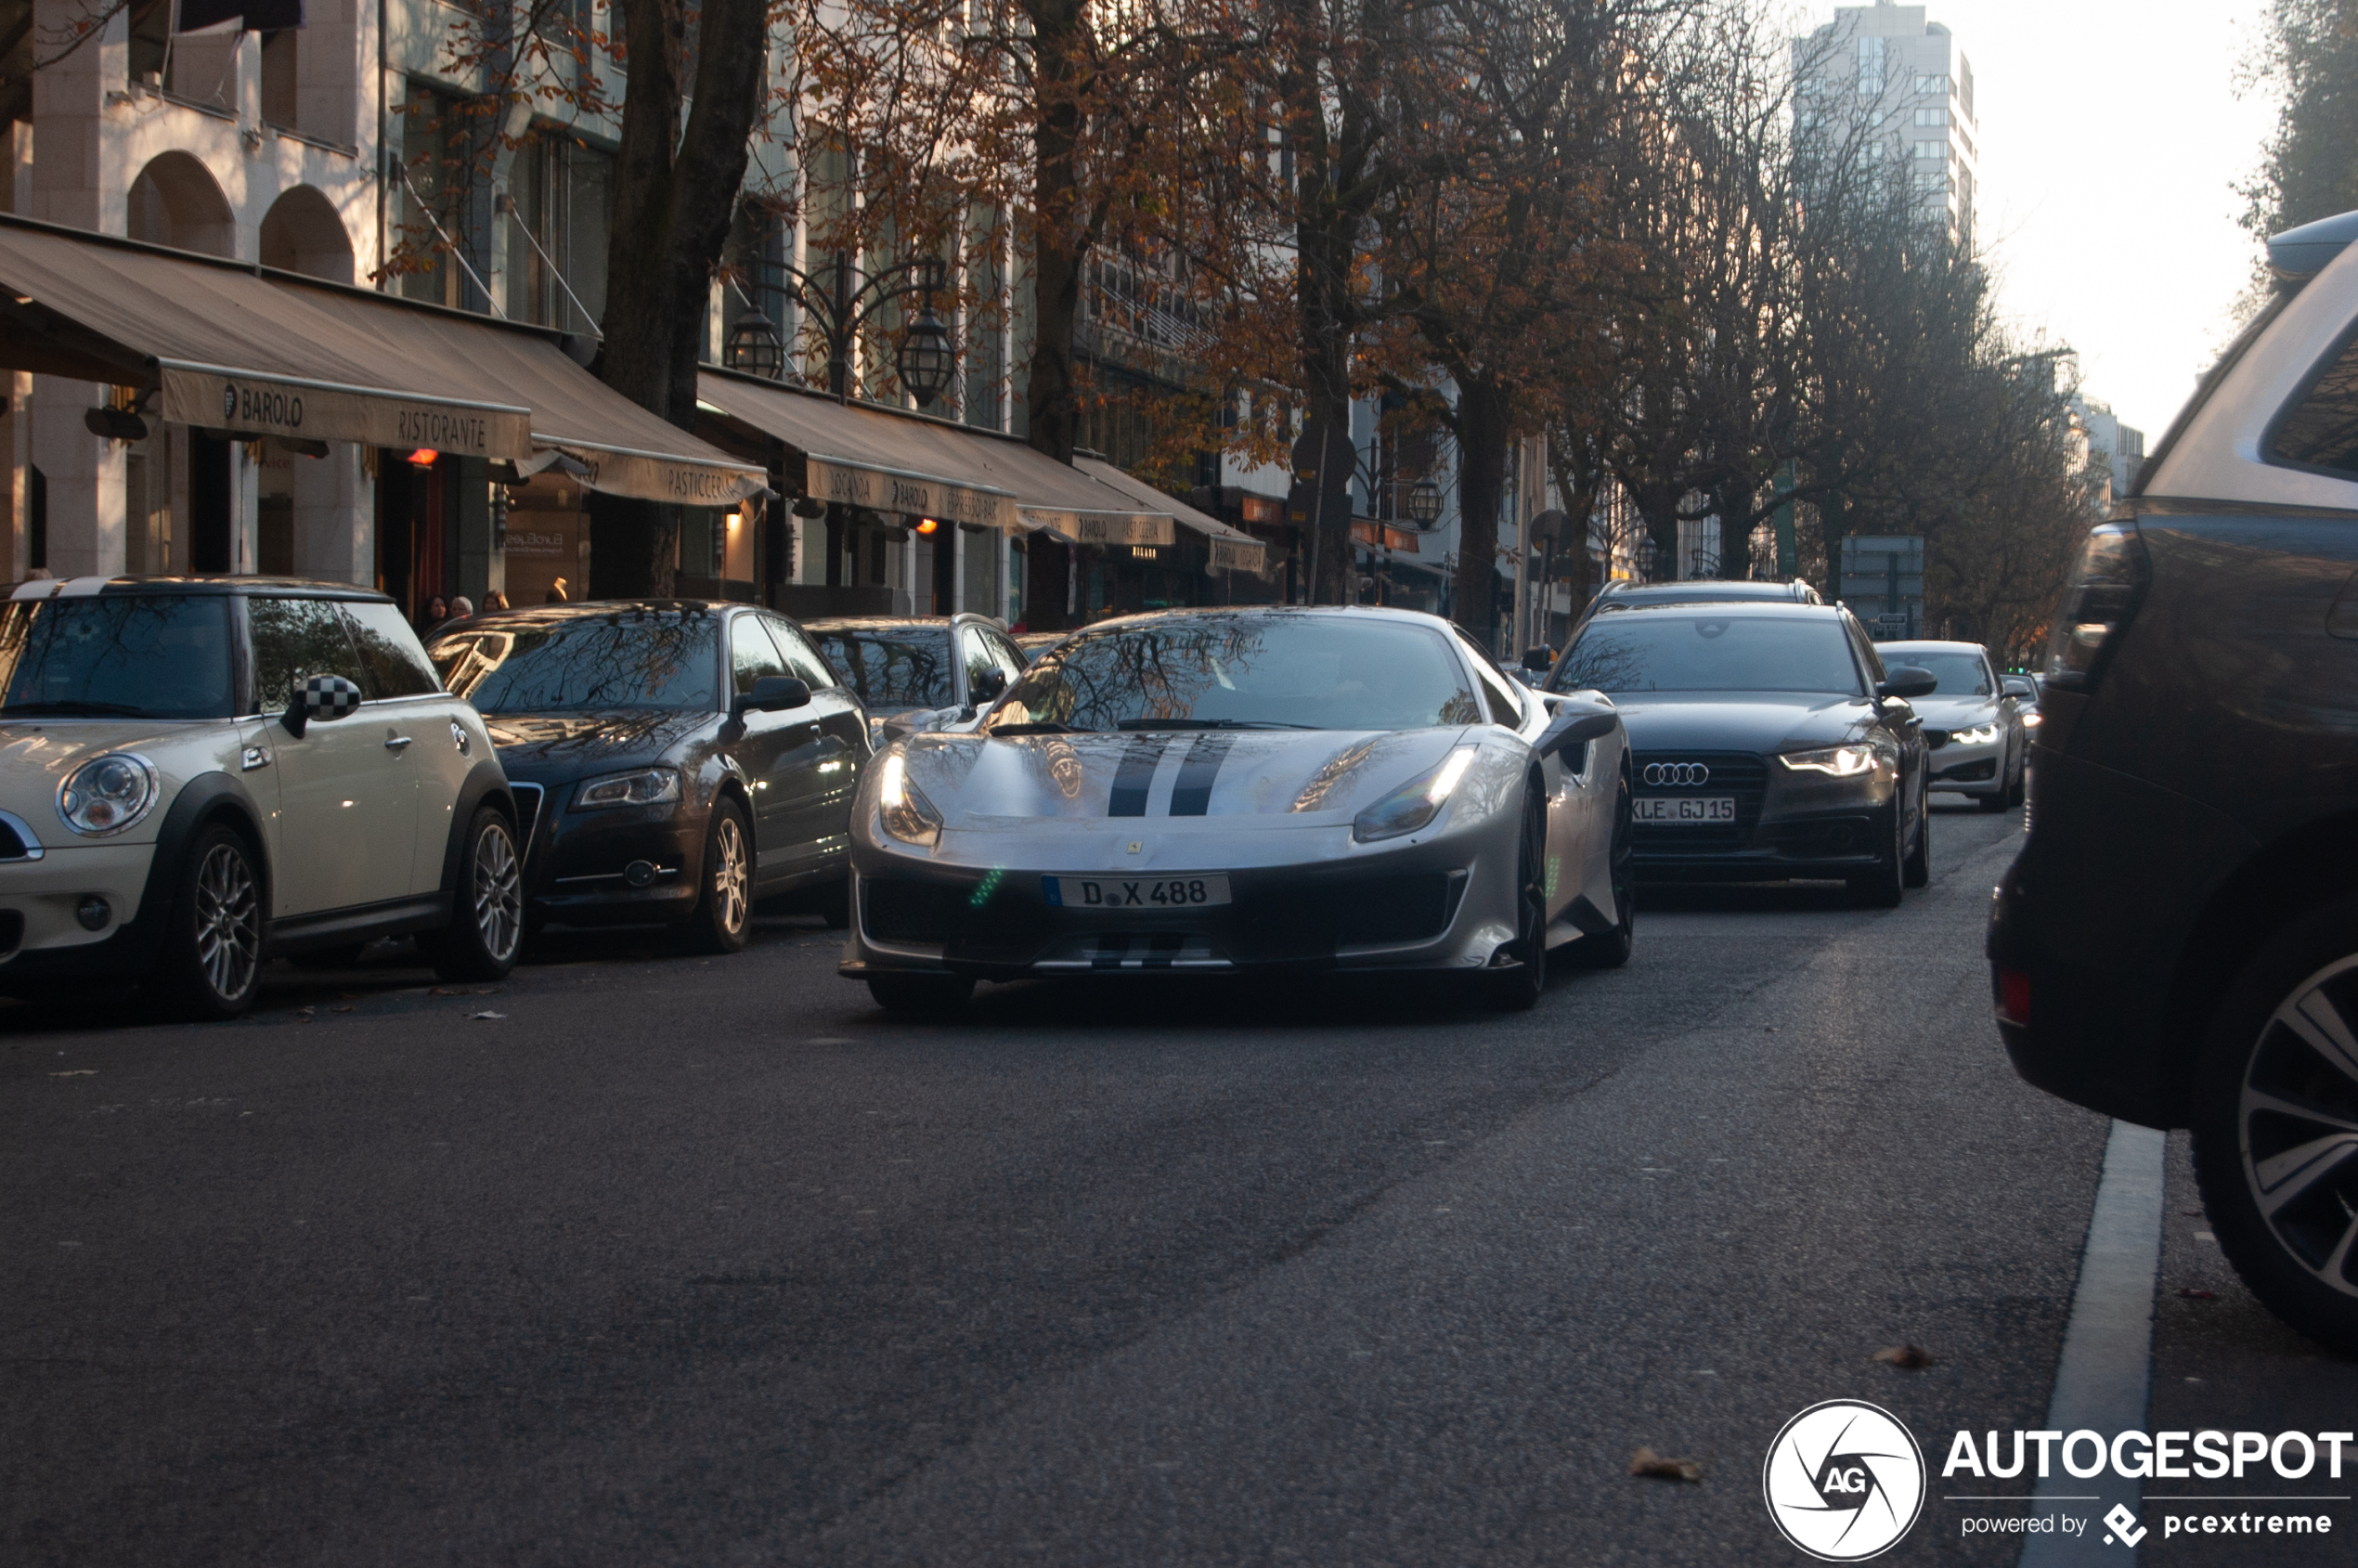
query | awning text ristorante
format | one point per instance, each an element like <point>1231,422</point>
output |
<point>220,398</point>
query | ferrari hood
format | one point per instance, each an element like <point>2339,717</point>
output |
<point>547,748</point>
<point>1756,722</point>
<point>1281,776</point>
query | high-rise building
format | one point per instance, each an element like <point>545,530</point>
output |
<point>1884,67</point>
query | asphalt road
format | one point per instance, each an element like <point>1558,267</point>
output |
<point>672,1261</point>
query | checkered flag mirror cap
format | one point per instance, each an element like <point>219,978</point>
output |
<point>328,697</point>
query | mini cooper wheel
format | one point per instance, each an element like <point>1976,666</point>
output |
<point>1517,990</point>
<point>1611,949</point>
<point>1881,888</point>
<point>486,917</point>
<point>922,996</point>
<point>723,916</point>
<point>2277,1125</point>
<point>213,948</point>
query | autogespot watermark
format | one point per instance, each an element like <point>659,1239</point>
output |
<point>1845,1481</point>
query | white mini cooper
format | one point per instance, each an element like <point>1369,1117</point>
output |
<point>197,773</point>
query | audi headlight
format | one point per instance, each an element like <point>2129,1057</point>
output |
<point>640,786</point>
<point>907,814</point>
<point>108,793</point>
<point>1415,805</point>
<point>1842,761</point>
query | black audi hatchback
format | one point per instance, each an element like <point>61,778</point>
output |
<point>673,761</point>
<point>2177,943</point>
<point>1768,744</point>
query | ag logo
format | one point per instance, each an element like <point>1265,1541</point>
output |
<point>1843,1481</point>
<point>229,400</point>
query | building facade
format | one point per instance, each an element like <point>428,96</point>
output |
<point>1884,67</point>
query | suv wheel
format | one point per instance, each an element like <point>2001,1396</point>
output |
<point>2277,1125</point>
<point>486,920</point>
<point>1880,889</point>
<point>213,948</point>
<point>723,916</point>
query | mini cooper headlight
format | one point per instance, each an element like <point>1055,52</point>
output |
<point>1842,761</point>
<point>1416,804</point>
<point>640,786</point>
<point>1980,734</point>
<point>907,814</point>
<point>108,793</point>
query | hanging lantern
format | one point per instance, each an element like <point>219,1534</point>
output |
<point>1424,503</point>
<point>753,347</point>
<point>926,361</point>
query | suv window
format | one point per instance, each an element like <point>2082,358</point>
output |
<point>806,659</point>
<point>2321,429</point>
<point>397,666</point>
<point>142,656</point>
<point>751,654</point>
<point>294,638</point>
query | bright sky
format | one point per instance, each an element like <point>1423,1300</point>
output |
<point>2111,139</point>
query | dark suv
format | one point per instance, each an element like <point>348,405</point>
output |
<point>2177,944</point>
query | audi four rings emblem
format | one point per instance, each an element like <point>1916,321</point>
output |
<point>1677,773</point>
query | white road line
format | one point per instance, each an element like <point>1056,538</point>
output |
<point>2105,1375</point>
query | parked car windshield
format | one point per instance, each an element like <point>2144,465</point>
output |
<point>891,669</point>
<point>117,656</point>
<point>1247,671</point>
<point>1961,675</point>
<point>1720,652</point>
<point>583,664</point>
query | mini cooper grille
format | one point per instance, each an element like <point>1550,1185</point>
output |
<point>1738,774</point>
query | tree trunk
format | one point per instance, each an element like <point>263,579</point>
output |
<point>1482,476</point>
<point>1060,241</point>
<point>675,192</point>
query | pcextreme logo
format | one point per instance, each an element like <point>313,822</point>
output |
<point>1843,1481</point>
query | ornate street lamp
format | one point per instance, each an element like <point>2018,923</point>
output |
<point>754,347</point>
<point>926,362</point>
<point>1424,503</point>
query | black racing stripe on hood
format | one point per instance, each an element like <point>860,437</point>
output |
<point>1191,796</point>
<point>1137,776</point>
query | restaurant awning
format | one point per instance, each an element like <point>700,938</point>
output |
<point>910,463</point>
<point>1231,547</point>
<point>252,352</point>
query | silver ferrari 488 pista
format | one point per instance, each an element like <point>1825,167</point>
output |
<point>1263,789</point>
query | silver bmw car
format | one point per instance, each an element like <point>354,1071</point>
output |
<point>1262,789</point>
<point>1973,722</point>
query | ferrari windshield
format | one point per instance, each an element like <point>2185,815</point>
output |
<point>583,664</point>
<point>891,669</point>
<point>1711,652</point>
<point>1245,671</point>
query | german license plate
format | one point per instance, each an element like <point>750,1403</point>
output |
<point>1142,894</point>
<point>1679,809</point>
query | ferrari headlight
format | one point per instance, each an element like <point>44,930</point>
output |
<point>109,794</point>
<point>907,814</point>
<point>1980,734</point>
<point>1415,805</point>
<point>640,786</point>
<point>1842,761</point>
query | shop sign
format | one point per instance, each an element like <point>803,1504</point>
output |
<point>652,477</point>
<point>1236,555</point>
<point>213,399</point>
<point>912,495</point>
